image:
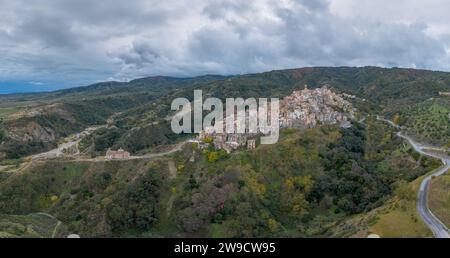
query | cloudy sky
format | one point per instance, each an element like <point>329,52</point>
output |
<point>49,44</point>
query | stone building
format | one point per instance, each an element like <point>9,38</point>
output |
<point>251,144</point>
<point>119,154</point>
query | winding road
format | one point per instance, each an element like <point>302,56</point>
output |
<point>438,228</point>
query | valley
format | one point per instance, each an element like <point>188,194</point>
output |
<point>337,171</point>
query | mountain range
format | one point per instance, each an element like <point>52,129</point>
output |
<point>321,181</point>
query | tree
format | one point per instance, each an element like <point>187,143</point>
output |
<point>404,191</point>
<point>273,225</point>
<point>213,156</point>
<point>2,136</point>
<point>396,119</point>
<point>135,207</point>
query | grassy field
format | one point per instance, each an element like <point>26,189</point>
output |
<point>5,113</point>
<point>439,198</point>
<point>397,218</point>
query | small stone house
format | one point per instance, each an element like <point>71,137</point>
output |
<point>119,154</point>
<point>251,144</point>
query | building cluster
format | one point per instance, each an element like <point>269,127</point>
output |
<point>302,109</point>
<point>310,108</point>
<point>225,141</point>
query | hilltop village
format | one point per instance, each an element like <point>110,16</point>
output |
<point>310,108</point>
<point>303,109</point>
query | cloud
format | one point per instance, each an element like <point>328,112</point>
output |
<point>36,83</point>
<point>76,42</point>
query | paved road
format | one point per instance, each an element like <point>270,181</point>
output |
<point>176,148</point>
<point>389,122</point>
<point>438,228</point>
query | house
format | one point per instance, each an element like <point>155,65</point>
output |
<point>251,144</point>
<point>119,154</point>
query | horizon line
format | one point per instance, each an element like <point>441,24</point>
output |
<point>208,74</point>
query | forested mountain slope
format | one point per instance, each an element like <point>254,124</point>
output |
<point>144,104</point>
<point>303,186</point>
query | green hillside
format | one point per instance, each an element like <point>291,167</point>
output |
<point>37,225</point>
<point>144,104</point>
<point>429,121</point>
<point>300,187</point>
<point>305,186</point>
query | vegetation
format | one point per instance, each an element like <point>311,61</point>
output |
<point>398,217</point>
<point>6,113</point>
<point>326,181</point>
<point>101,140</point>
<point>31,226</point>
<point>302,186</point>
<point>2,135</point>
<point>439,198</point>
<point>106,199</point>
<point>141,107</point>
<point>429,120</point>
<point>13,149</point>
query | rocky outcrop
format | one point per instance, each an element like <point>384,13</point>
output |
<point>26,125</point>
<point>32,132</point>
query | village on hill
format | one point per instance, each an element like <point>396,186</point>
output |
<point>307,108</point>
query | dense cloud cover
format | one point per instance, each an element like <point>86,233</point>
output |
<point>61,43</point>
